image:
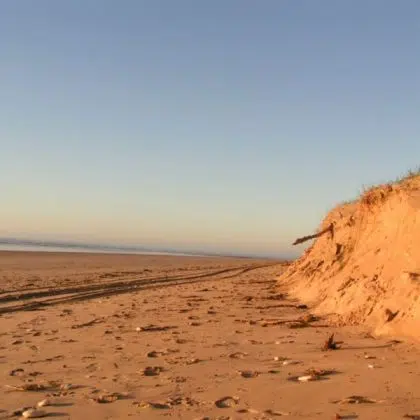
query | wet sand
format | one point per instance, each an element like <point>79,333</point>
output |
<point>113,337</point>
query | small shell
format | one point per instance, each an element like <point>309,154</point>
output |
<point>307,378</point>
<point>193,361</point>
<point>33,413</point>
<point>43,403</point>
<point>290,362</point>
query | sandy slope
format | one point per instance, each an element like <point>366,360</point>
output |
<point>174,350</point>
<point>366,268</point>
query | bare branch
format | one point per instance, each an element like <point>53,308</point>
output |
<point>330,229</point>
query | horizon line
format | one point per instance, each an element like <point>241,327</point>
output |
<point>130,249</point>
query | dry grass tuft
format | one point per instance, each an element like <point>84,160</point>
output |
<point>376,195</point>
<point>410,175</point>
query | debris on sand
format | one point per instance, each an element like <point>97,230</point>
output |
<point>168,404</point>
<point>313,375</point>
<point>152,370</point>
<point>248,411</point>
<point>154,328</point>
<point>154,353</point>
<point>16,372</point>
<point>307,378</point>
<point>18,412</point>
<point>248,373</point>
<point>194,361</point>
<point>155,405</point>
<point>330,344</point>
<point>238,355</point>
<point>109,397</point>
<point>226,402</point>
<point>356,399</point>
<point>88,324</point>
<point>28,387</point>
<point>33,413</point>
<point>390,315</point>
<point>276,413</point>
<point>43,403</point>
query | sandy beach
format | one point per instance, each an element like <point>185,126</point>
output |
<point>121,336</point>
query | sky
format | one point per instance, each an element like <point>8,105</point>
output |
<point>222,125</point>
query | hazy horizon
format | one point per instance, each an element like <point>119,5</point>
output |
<point>52,244</point>
<point>231,126</point>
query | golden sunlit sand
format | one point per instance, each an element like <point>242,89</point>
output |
<point>114,336</point>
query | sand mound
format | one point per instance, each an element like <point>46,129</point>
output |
<point>365,267</point>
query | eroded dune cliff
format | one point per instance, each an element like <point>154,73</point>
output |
<point>365,266</point>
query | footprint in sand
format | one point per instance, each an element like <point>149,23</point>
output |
<point>238,355</point>
<point>248,410</point>
<point>16,372</point>
<point>152,370</point>
<point>154,353</point>
<point>248,373</point>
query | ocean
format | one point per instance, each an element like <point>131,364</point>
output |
<point>87,249</point>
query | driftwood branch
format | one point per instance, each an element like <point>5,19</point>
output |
<point>330,229</point>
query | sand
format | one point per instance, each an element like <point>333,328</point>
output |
<point>116,337</point>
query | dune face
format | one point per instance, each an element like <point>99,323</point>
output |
<point>365,265</point>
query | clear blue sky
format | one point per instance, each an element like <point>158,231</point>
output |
<point>228,125</point>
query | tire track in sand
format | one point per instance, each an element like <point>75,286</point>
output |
<point>39,299</point>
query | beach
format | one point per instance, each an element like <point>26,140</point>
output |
<point>103,336</point>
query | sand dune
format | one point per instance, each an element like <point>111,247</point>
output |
<point>366,266</point>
